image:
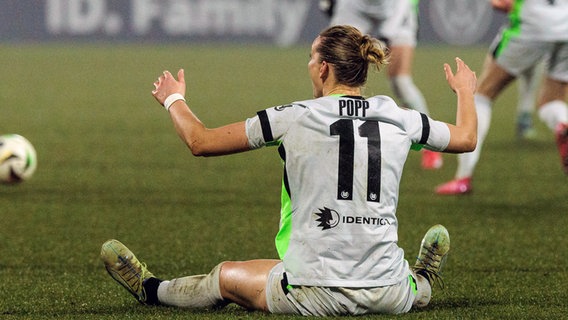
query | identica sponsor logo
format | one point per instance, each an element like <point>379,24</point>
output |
<point>329,218</point>
<point>365,220</point>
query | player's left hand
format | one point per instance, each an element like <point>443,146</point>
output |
<point>464,79</point>
<point>167,85</point>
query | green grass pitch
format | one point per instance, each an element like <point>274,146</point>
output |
<point>111,166</point>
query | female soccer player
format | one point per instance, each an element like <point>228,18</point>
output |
<point>343,159</point>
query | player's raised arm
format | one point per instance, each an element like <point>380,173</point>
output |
<point>202,141</point>
<point>463,135</point>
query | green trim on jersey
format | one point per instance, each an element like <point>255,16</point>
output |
<point>283,236</point>
<point>514,28</point>
<point>416,146</point>
<point>413,285</point>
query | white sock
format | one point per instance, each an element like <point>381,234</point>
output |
<point>553,113</point>
<point>468,161</point>
<point>528,83</point>
<point>410,96</point>
<point>424,293</point>
<point>200,291</point>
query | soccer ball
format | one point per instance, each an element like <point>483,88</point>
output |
<point>18,159</point>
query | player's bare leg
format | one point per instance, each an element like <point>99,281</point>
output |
<point>244,283</point>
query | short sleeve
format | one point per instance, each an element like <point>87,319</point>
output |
<point>439,137</point>
<point>270,126</point>
<point>433,134</point>
<point>254,133</point>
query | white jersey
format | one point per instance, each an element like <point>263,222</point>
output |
<point>343,161</point>
<point>537,30</point>
<point>540,20</point>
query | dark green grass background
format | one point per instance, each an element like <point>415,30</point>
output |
<point>111,166</point>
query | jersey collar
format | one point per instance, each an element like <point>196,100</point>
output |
<point>346,96</point>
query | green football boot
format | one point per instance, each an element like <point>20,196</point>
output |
<point>433,253</point>
<point>123,267</point>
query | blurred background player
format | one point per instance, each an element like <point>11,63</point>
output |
<point>528,83</point>
<point>396,23</point>
<point>537,30</point>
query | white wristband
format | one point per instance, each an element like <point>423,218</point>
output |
<point>171,99</point>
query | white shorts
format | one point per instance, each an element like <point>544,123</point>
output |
<point>330,301</point>
<point>396,22</point>
<point>517,55</point>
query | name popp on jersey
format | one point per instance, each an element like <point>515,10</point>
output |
<point>353,107</point>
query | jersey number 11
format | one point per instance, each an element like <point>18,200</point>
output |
<point>370,130</point>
